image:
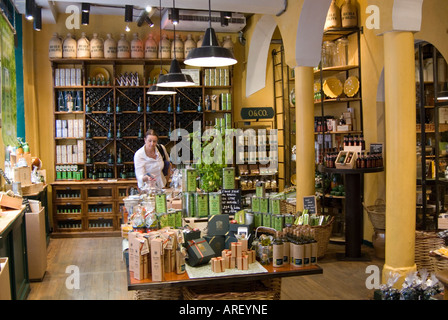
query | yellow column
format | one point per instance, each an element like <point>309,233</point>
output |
<point>304,81</point>
<point>401,163</point>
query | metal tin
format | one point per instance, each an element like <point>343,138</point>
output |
<point>255,204</point>
<point>201,205</point>
<point>264,205</point>
<point>258,219</point>
<point>260,189</point>
<point>161,206</point>
<point>189,182</point>
<point>289,219</point>
<point>278,221</point>
<point>267,220</point>
<point>274,205</point>
<point>214,203</point>
<point>188,204</point>
<point>228,178</point>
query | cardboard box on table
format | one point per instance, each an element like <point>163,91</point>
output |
<point>10,203</point>
<point>36,243</point>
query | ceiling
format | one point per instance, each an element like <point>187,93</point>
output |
<point>51,9</point>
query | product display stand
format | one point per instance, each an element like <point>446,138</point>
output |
<point>353,212</point>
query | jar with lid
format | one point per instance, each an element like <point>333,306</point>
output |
<point>341,49</point>
<point>328,50</point>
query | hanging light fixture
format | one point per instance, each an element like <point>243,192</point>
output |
<point>85,7</point>
<point>85,18</point>
<point>210,54</point>
<point>155,89</point>
<point>128,13</point>
<point>175,78</point>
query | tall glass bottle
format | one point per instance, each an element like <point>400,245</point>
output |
<point>118,132</point>
<point>277,247</point>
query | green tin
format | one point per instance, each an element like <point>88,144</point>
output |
<point>264,205</point>
<point>255,204</point>
<point>214,203</point>
<point>267,220</point>
<point>201,205</point>
<point>278,222</point>
<point>161,203</point>
<point>258,219</point>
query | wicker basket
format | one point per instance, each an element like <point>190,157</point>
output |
<point>244,290</point>
<point>321,235</point>
<point>168,293</point>
<point>287,207</point>
<point>377,214</point>
<point>424,243</point>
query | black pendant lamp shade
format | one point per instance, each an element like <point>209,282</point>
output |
<point>175,78</point>
<point>37,23</point>
<point>210,54</point>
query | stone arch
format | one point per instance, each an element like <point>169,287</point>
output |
<point>258,54</point>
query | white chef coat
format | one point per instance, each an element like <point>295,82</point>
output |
<point>144,164</point>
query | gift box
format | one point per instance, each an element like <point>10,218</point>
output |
<point>191,235</point>
<point>217,243</point>
<point>199,252</point>
<point>218,225</point>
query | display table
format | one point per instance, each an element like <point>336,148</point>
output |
<point>173,280</point>
<point>13,247</point>
<point>353,211</point>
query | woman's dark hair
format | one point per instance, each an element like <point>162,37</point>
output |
<point>151,132</point>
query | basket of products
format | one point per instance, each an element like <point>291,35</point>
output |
<point>377,214</point>
<point>170,293</point>
<point>287,206</point>
<point>244,290</point>
<point>426,242</point>
<point>322,233</point>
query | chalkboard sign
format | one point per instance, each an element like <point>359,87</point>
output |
<point>310,204</point>
<point>376,148</point>
<point>231,201</point>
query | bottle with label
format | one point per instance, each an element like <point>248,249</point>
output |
<point>199,109</point>
<point>139,106</point>
<point>136,47</point>
<point>69,47</point>
<point>277,247</point>
<point>94,173</point>
<point>349,15</point>
<point>170,130</point>
<point>110,134</point>
<point>189,45</point>
<point>118,132</point>
<point>88,109</point>
<point>333,17</point>
<point>61,102</point>
<point>117,107</point>
<point>286,247</point>
<point>88,134</point>
<point>119,157</point>
<point>110,47</point>
<point>178,107</point>
<point>69,101</point>
<point>123,173</point>
<point>150,48</point>
<point>83,47</point>
<point>123,48</point>
<point>109,106</point>
<point>170,107</point>
<point>88,157</point>
<point>96,47</point>
<point>111,158</point>
<point>55,47</point>
<point>140,131</point>
<point>164,48</point>
<point>78,105</point>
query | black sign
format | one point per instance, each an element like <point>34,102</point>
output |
<point>310,204</point>
<point>376,148</point>
<point>231,201</point>
<point>257,113</point>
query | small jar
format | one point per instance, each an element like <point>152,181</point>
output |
<point>341,49</point>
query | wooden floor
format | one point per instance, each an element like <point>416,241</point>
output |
<point>102,274</point>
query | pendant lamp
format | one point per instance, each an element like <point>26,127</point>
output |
<point>175,78</point>
<point>210,53</point>
<point>155,89</point>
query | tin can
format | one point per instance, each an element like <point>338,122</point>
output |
<point>258,219</point>
<point>201,205</point>
<point>214,203</point>
<point>161,203</point>
<point>189,182</point>
<point>289,219</point>
<point>228,178</point>
<point>275,205</point>
<point>260,189</point>
<point>255,204</point>
<point>278,222</point>
<point>264,205</point>
<point>188,204</point>
<point>267,220</point>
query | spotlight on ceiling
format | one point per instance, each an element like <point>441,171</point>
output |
<point>149,22</point>
<point>85,18</point>
<point>29,9</point>
<point>37,23</point>
<point>85,7</point>
<point>128,13</point>
<point>175,16</point>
